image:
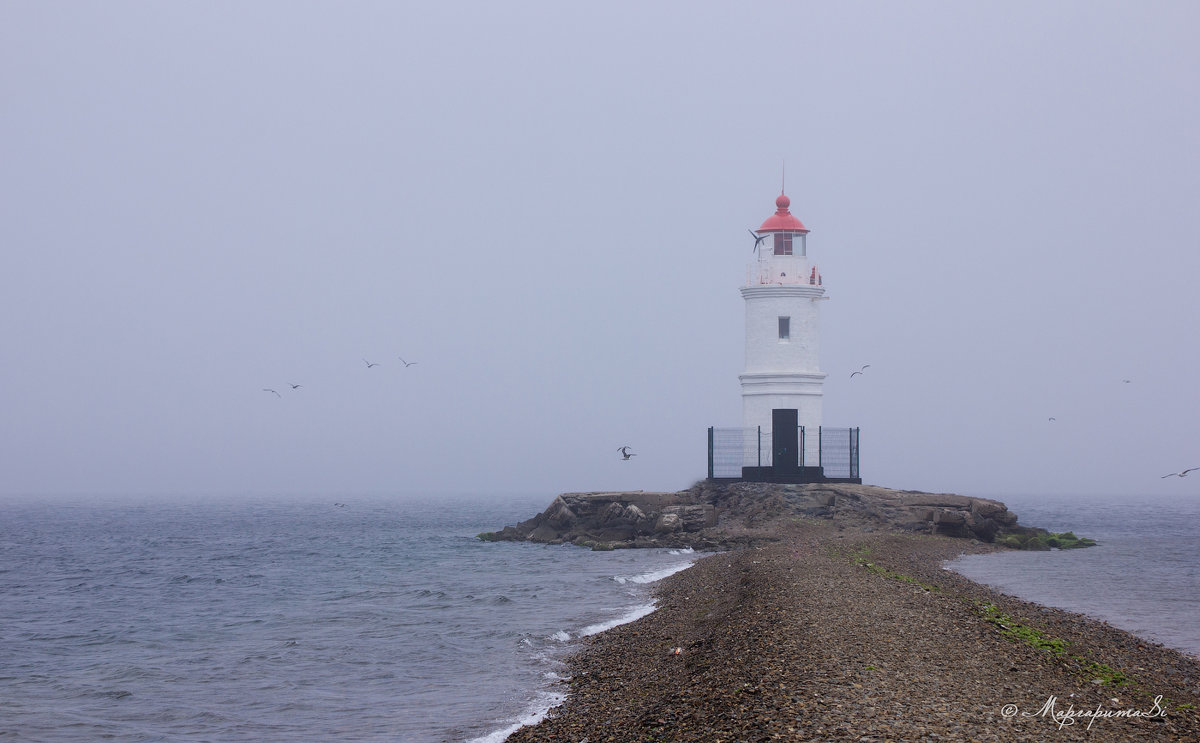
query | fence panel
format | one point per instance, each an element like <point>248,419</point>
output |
<point>839,452</point>
<point>731,449</point>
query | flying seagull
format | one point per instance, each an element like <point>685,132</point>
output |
<point>1053,419</point>
<point>273,392</point>
<point>407,363</point>
<point>860,371</point>
<point>625,455</point>
<point>757,238</point>
<point>369,364</point>
<point>296,386</point>
<point>1180,474</point>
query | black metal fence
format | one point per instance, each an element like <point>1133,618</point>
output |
<point>731,449</point>
<point>839,452</point>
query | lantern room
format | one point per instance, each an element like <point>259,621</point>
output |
<point>781,249</point>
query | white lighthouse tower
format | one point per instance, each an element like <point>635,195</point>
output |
<point>781,386</point>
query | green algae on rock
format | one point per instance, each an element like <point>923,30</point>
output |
<point>1039,539</point>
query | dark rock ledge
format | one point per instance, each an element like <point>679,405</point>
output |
<point>718,516</point>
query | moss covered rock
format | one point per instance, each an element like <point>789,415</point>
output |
<point>1044,540</point>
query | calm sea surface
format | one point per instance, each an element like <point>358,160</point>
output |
<point>293,620</point>
<point>1143,577</point>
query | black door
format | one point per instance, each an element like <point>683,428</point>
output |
<point>785,440</point>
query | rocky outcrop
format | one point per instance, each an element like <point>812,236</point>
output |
<point>720,515</point>
<point>615,519</point>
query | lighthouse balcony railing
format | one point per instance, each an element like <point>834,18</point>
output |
<point>771,275</point>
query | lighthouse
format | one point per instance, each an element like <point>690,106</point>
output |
<point>782,381</point>
<point>782,437</point>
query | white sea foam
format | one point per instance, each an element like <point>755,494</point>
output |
<point>655,575</point>
<point>560,636</point>
<point>532,716</point>
<point>684,551</point>
<point>632,615</point>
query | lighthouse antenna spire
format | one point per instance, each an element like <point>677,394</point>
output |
<point>783,178</point>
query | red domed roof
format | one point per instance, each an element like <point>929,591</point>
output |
<point>782,220</point>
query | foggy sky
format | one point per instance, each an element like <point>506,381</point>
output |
<point>545,206</point>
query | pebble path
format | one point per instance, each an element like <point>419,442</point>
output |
<point>836,635</point>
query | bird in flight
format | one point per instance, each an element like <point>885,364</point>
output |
<point>860,371</point>
<point>407,363</point>
<point>1052,419</point>
<point>1180,474</point>
<point>296,386</point>
<point>757,238</point>
<point>625,455</point>
<point>369,364</point>
<point>273,392</point>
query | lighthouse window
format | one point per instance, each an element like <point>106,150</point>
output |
<point>785,328</point>
<point>783,243</point>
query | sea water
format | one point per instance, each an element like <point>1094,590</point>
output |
<point>294,619</point>
<point>1144,576</point>
<point>385,619</point>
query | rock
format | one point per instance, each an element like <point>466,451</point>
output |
<point>985,529</point>
<point>563,517</point>
<point>730,515</point>
<point>949,518</point>
<point>668,522</point>
<point>1005,518</point>
<point>986,508</point>
<point>692,518</point>
<point>614,512</point>
<point>546,533</point>
<point>619,533</point>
